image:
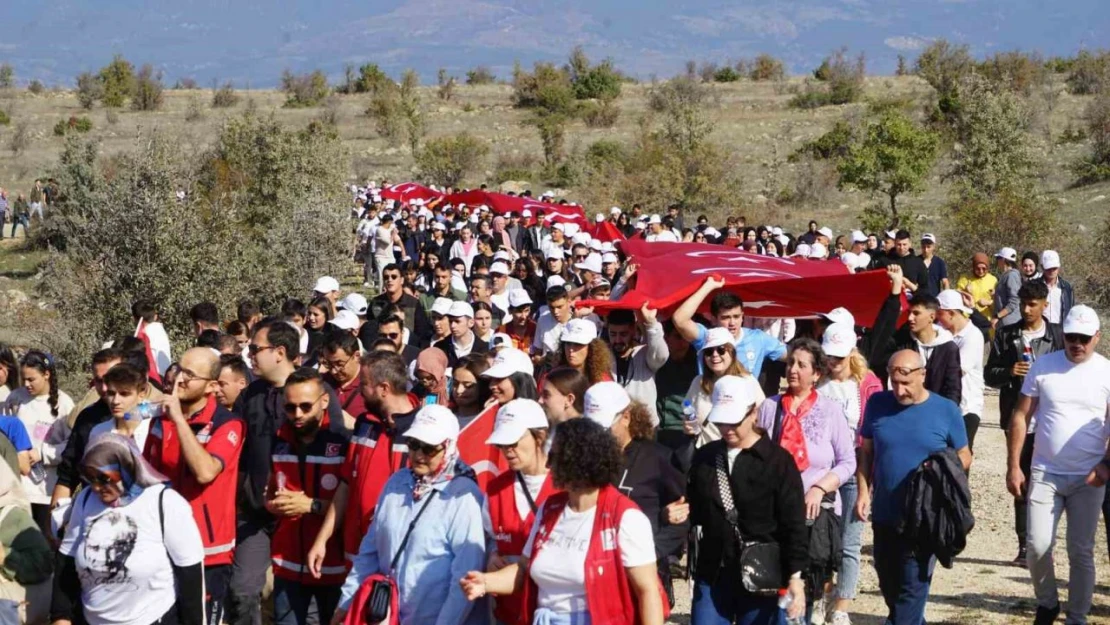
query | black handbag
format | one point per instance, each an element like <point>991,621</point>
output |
<point>383,594</point>
<point>760,563</point>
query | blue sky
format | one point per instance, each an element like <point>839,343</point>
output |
<point>252,41</point>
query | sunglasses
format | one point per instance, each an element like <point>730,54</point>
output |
<point>1082,339</point>
<point>100,479</point>
<point>424,448</point>
<point>305,406</point>
<point>393,336</point>
<point>392,278</point>
<point>253,350</point>
<point>720,350</point>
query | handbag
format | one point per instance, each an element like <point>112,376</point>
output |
<point>382,605</point>
<point>760,563</point>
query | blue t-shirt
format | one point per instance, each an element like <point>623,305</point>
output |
<point>14,429</point>
<point>938,271</point>
<point>904,437</point>
<point>751,349</point>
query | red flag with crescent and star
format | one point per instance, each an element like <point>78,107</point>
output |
<point>409,191</point>
<point>500,204</point>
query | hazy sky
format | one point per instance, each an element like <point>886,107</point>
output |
<point>251,41</point>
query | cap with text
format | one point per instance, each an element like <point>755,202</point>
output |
<point>434,425</point>
<point>579,332</point>
<point>509,361</point>
<point>839,340</point>
<point>514,419</point>
<point>732,400</point>
<point>604,401</point>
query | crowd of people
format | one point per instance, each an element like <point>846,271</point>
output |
<point>479,442</point>
<point>21,208</point>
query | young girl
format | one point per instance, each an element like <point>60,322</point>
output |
<point>38,404</point>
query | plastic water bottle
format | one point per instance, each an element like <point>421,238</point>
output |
<point>690,416</point>
<point>786,599</point>
<point>145,410</point>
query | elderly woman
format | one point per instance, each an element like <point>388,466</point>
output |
<point>812,427</point>
<point>118,563</point>
<point>437,505</point>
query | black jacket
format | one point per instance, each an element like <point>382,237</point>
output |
<point>770,504</point>
<point>416,320</point>
<point>942,371</point>
<point>650,478</point>
<point>1067,296</point>
<point>937,515</point>
<point>1006,351</point>
<point>914,270</point>
<point>69,468</point>
<point>448,347</point>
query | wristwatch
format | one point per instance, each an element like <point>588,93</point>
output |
<point>317,507</point>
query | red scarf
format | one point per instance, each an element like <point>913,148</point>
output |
<point>791,438</point>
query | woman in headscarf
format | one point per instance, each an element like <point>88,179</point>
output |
<point>117,561</point>
<point>501,238</point>
<point>437,504</point>
<point>26,560</point>
<point>431,376</point>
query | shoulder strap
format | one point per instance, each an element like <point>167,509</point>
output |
<point>162,512</point>
<point>724,489</point>
<point>405,540</point>
<point>527,495</point>
<point>776,432</point>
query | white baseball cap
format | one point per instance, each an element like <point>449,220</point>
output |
<point>554,254</point>
<point>732,400</point>
<point>600,217</point>
<point>580,238</point>
<point>439,226</point>
<point>434,425</point>
<point>503,255</point>
<point>326,284</point>
<point>607,247</point>
<point>1081,320</point>
<point>500,339</point>
<point>840,315</point>
<point>801,250</point>
<point>579,332</point>
<point>1008,253</point>
<point>890,234</point>
<point>849,259</point>
<point>604,401</point>
<point>441,305</point>
<point>461,309</point>
<point>654,219</point>
<point>950,299</point>
<point>826,232</point>
<point>838,340</point>
<point>499,268</point>
<point>354,302</point>
<point>615,211</point>
<point>596,246</point>
<point>526,213</point>
<point>345,320</point>
<point>518,298</point>
<point>609,257</point>
<point>554,281</point>
<point>570,229</point>
<point>776,231</point>
<point>858,236</point>
<point>561,227</point>
<point>717,337</point>
<point>931,238</point>
<point>509,361</point>
<point>639,225</point>
<point>1050,259</point>
<point>514,419</point>
<point>592,263</point>
<point>817,250</point>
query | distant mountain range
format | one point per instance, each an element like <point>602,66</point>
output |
<point>251,41</point>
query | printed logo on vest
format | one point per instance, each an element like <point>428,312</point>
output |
<point>608,539</point>
<point>332,450</point>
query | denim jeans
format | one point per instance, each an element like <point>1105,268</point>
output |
<point>1050,495</point>
<point>904,578</point>
<point>20,220</point>
<point>292,601</point>
<point>723,604</point>
<point>848,578</point>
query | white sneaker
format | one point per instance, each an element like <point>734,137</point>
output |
<point>840,618</point>
<point>818,615</point>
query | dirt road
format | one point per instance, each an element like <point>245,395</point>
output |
<point>982,587</point>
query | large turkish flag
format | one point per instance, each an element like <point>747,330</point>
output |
<point>500,204</point>
<point>770,287</point>
<point>408,191</point>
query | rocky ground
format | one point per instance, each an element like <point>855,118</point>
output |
<point>983,587</point>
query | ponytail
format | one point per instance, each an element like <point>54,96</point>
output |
<point>53,392</point>
<point>44,363</point>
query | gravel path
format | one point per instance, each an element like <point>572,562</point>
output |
<point>982,587</point>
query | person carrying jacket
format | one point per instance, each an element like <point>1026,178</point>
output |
<point>939,352</point>
<point>634,364</point>
<point>937,517</point>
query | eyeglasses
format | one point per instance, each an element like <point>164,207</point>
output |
<point>904,371</point>
<point>1082,339</point>
<point>336,364</point>
<point>424,448</point>
<point>392,277</point>
<point>188,376</point>
<point>252,349</point>
<point>577,257</point>
<point>305,407</point>
<point>720,350</point>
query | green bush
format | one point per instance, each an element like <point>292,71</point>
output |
<point>767,67</point>
<point>1096,165</point>
<point>842,78</point>
<point>449,160</point>
<point>726,74</point>
<point>117,82</point>
<point>480,76</point>
<point>372,79</point>
<point>89,90</point>
<point>7,76</point>
<point>602,114</point>
<point>148,94</point>
<point>605,152</point>
<point>833,144</point>
<point>73,124</point>
<point>1016,71</point>
<point>304,90</point>
<point>1089,72</point>
<point>225,96</point>
<point>521,166</point>
<point>547,88</point>
<point>36,87</point>
<point>592,82</point>
<point>5,119</point>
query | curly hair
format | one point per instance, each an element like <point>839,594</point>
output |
<point>708,378</point>
<point>639,422</point>
<point>584,456</point>
<point>599,361</point>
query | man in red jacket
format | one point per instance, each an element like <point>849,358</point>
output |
<point>196,443</point>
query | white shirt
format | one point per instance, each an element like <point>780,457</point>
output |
<point>124,560</point>
<point>109,426</point>
<point>664,236</point>
<point>534,484</point>
<point>383,241</point>
<point>48,435</point>
<point>970,342</point>
<point>846,395</point>
<point>1053,311</point>
<point>159,345</point>
<point>1072,400</point>
<point>548,333</point>
<point>559,569</point>
<point>463,352</point>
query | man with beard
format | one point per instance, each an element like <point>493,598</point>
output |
<point>304,477</point>
<point>636,364</point>
<point>375,453</point>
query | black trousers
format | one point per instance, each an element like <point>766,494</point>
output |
<point>1021,511</point>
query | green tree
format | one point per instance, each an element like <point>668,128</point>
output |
<point>767,67</point>
<point>892,157</point>
<point>7,76</point>
<point>148,90</point>
<point>944,66</point>
<point>547,88</point>
<point>449,160</point>
<point>117,80</point>
<point>371,79</point>
<point>995,152</point>
<point>1095,166</point>
<point>89,90</point>
<point>480,75</point>
<point>592,82</point>
<point>304,90</point>
<point>412,116</point>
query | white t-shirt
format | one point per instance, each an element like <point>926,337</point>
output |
<point>1054,310</point>
<point>461,351</point>
<point>123,559</point>
<point>560,568</point>
<point>846,395</point>
<point>383,242</point>
<point>665,236</point>
<point>1071,412</point>
<point>970,342</point>
<point>109,426</point>
<point>48,435</point>
<point>535,484</point>
<point>548,333</point>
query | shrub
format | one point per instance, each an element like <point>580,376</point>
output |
<point>20,139</point>
<point>89,90</point>
<point>682,103</point>
<point>36,87</point>
<point>834,144</point>
<point>7,76</point>
<point>992,128</point>
<point>225,96</point>
<point>767,67</point>
<point>385,110</point>
<point>1096,165</point>
<point>1072,134</point>
<point>726,74</point>
<point>330,113</point>
<point>602,114</point>
<point>449,160</point>
<point>552,129</point>
<point>843,80</point>
<point>185,83</point>
<point>148,94</point>
<point>5,119</point>
<point>117,80</point>
<point>605,152</point>
<point>1016,71</point>
<point>902,69</point>
<point>707,70</point>
<point>446,84</point>
<point>547,88</point>
<point>1089,72</point>
<point>194,112</point>
<point>518,166</point>
<point>73,124</point>
<point>480,76</point>
<point>944,65</point>
<point>598,82</point>
<point>371,79</point>
<point>411,114</point>
<point>1008,219</point>
<point>112,116</point>
<point>304,90</point>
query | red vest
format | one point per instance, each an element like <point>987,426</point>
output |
<point>510,532</point>
<point>486,460</point>
<point>221,434</point>
<point>350,395</point>
<point>609,597</point>
<point>312,468</point>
